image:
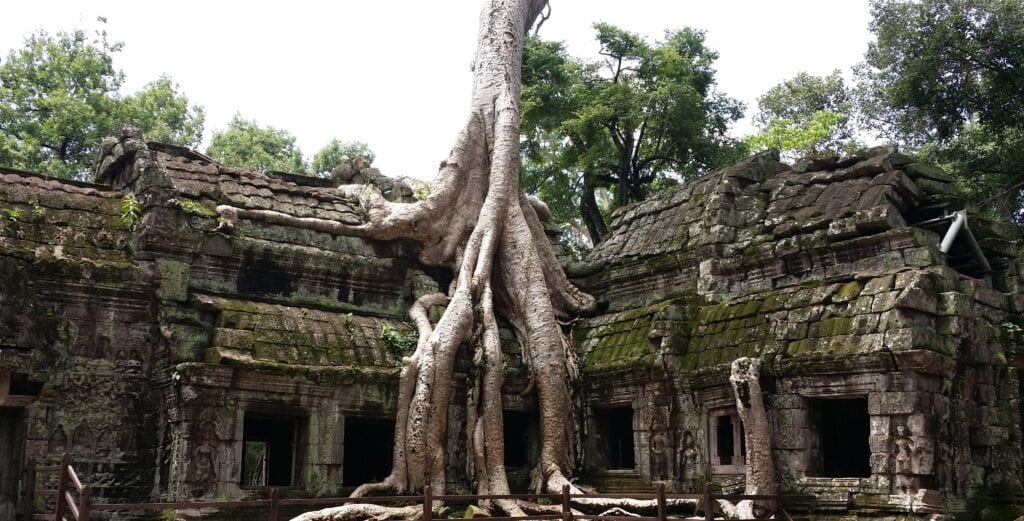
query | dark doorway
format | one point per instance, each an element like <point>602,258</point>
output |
<point>268,447</point>
<point>368,450</point>
<point>726,440</point>
<point>615,429</point>
<point>12,447</point>
<point>843,428</point>
<point>517,439</point>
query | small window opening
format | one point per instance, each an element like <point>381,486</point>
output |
<point>368,450</point>
<point>21,385</point>
<point>615,431</point>
<point>729,443</point>
<point>517,439</point>
<point>268,451</point>
<point>843,427</point>
<point>726,440</point>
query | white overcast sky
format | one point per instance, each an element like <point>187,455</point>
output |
<point>395,73</point>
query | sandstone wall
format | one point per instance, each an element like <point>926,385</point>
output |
<point>141,344</point>
<point>822,271</point>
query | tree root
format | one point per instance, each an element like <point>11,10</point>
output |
<point>478,223</point>
<point>362,512</point>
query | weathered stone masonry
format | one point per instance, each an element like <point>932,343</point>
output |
<point>161,352</point>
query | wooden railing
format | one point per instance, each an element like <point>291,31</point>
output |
<point>74,501</point>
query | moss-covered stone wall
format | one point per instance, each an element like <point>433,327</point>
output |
<point>831,273</point>
<point>141,337</point>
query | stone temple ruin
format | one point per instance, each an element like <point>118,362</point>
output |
<point>174,361</point>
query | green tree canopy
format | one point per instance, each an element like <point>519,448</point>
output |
<point>337,152</point>
<point>946,78</point>
<point>59,98</point>
<point>805,115</point>
<point>642,117</point>
<point>937,65</point>
<point>808,138</point>
<point>163,114</point>
<point>56,101</point>
<point>246,144</point>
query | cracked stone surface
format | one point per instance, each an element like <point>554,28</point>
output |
<point>139,345</point>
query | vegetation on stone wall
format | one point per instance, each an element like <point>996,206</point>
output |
<point>130,211</point>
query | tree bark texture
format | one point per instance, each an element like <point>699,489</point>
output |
<point>477,222</point>
<point>760,468</point>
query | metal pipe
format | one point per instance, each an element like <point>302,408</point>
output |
<point>954,229</point>
<point>936,220</point>
<point>960,223</point>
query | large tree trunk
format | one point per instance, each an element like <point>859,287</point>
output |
<point>591,213</point>
<point>477,222</point>
<point>760,468</point>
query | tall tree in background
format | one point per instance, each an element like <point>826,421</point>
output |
<point>56,101</point>
<point>246,144</point>
<point>805,116</point>
<point>947,77</point>
<point>59,98</point>
<point>163,114</point>
<point>642,117</point>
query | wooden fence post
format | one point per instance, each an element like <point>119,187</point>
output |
<point>709,507</point>
<point>566,504</point>
<point>428,504</point>
<point>62,486</point>
<point>83,503</point>
<point>28,485</point>
<point>273,514</point>
<point>662,515</point>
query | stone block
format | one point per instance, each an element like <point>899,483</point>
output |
<point>927,171</point>
<point>929,502</point>
<point>904,319</point>
<point>880,425</point>
<point>880,463</point>
<point>879,444</point>
<point>865,324</point>
<point>878,285</point>
<point>889,403</point>
<point>884,301</point>
<point>922,257</point>
<point>794,439</point>
<point>918,338</point>
<point>985,393</point>
<point>173,280</point>
<point>916,299</point>
<point>924,463</point>
<point>949,325</point>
